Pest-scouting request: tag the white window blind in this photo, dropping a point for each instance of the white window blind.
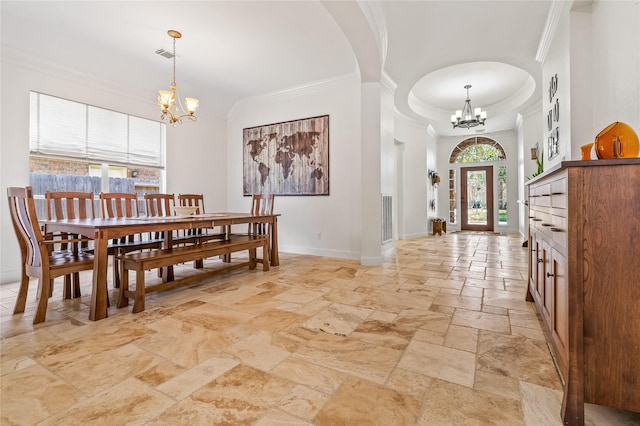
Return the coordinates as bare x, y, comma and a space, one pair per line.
59, 127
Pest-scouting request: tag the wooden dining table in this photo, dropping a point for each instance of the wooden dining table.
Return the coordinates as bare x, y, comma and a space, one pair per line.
102, 231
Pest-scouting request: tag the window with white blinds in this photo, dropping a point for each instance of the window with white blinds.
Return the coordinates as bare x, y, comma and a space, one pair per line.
63, 128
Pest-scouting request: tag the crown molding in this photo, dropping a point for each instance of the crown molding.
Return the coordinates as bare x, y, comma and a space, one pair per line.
556, 10
293, 92
375, 16
388, 82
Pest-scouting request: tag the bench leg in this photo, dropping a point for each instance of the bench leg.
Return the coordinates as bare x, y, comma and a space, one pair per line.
138, 301
252, 258
123, 295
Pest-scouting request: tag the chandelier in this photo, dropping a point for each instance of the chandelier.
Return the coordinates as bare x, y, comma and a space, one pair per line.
169, 100
467, 117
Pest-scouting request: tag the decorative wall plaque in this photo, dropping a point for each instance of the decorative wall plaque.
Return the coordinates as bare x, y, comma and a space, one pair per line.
553, 117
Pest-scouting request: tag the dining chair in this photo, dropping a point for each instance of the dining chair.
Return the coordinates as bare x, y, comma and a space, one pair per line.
124, 205
163, 205
201, 235
71, 205
160, 204
197, 201
40, 259
260, 204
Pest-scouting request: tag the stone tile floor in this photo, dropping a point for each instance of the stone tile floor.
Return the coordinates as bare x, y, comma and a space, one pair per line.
439, 334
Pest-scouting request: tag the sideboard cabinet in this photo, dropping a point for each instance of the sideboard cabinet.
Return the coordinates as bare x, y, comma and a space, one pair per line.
584, 279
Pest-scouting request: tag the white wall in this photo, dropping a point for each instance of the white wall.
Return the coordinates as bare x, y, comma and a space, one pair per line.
529, 133
596, 53
194, 146
616, 64
318, 225
557, 63
413, 195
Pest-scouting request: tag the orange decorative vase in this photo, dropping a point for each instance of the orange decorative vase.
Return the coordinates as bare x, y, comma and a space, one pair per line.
585, 150
617, 140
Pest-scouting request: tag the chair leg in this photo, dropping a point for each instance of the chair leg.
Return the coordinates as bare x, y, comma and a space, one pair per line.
116, 273
22, 293
76, 285
123, 294
43, 290
66, 292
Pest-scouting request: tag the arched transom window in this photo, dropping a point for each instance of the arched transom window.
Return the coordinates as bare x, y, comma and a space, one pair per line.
476, 150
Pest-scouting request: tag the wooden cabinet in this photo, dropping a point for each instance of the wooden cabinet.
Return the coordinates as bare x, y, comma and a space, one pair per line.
584, 279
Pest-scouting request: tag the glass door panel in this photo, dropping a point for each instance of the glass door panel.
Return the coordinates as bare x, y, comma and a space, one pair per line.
476, 198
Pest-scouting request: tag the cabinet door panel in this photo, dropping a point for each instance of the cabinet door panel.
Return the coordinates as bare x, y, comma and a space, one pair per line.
546, 281
560, 322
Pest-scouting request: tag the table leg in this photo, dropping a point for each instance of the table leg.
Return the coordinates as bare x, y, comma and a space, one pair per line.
275, 258
167, 271
99, 293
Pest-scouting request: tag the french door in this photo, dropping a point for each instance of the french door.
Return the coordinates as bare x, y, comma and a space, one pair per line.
476, 198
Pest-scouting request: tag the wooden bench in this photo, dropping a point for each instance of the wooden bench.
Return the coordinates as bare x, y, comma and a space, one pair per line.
144, 261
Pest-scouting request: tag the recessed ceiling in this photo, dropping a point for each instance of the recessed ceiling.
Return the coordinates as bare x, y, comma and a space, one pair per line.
495, 87
231, 50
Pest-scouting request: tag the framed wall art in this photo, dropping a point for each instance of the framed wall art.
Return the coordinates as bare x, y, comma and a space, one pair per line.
289, 158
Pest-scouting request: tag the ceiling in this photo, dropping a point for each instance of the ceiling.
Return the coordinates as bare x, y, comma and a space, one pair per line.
231, 50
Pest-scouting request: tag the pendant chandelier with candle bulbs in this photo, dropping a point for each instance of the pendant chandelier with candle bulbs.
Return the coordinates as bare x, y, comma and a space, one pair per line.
467, 117
169, 100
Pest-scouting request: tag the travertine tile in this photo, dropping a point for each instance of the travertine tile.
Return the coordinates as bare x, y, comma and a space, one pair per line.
182, 385
32, 394
439, 334
463, 338
481, 320
361, 402
323, 379
303, 402
240, 396
452, 404
524, 359
131, 400
258, 351
337, 319
275, 417
350, 355
440, 362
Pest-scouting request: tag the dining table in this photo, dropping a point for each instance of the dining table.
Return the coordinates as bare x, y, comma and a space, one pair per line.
102, 231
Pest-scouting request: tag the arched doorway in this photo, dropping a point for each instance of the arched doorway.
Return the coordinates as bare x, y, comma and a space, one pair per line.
477, 160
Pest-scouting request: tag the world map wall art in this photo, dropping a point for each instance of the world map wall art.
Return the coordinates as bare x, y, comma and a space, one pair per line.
289, 158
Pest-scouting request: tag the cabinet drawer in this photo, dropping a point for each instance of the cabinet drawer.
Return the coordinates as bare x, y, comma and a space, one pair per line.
559, 186
559, 230
540, 218
559, 201
535, 209
542, 189
558, 211
543, 200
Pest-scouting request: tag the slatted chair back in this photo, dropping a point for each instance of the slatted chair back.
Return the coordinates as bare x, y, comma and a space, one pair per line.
70, 205
160, 204
40, 260
118, 204
261, 204
192, 200
124, 205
